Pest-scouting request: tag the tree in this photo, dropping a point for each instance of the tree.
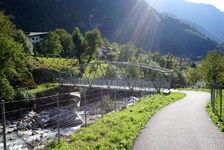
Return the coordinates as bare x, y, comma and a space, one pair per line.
66, 43
193, 75
127, 52
143, 58
23, 39
158, 58
7, 67
139, 52
105, 42
179, 77
111, 56
93, 39
213, 67
169, 61
7, 27
133, 72
14, 72
79, 43
115, 46
52, 44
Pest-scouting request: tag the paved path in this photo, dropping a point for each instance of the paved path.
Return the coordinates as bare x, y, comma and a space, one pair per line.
183, 125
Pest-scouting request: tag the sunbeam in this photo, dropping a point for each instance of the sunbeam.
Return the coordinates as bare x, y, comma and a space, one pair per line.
142, 24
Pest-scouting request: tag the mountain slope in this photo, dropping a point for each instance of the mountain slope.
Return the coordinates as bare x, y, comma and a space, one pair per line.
198, 27
205, 15
118, 21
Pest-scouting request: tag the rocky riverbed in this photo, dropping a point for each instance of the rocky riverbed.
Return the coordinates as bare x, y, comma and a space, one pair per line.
35, 129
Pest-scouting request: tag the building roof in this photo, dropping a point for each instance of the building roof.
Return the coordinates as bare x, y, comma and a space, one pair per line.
36, 33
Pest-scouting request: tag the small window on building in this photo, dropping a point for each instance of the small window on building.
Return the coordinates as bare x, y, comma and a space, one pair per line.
33, 38
36, 39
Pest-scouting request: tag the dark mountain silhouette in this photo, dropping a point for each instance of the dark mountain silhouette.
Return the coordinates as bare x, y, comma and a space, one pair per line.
119, 21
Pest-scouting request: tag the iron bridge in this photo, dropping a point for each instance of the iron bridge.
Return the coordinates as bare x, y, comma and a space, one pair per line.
117, 75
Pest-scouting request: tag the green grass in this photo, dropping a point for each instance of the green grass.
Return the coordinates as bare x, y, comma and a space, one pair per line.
117, 130
42, 88
95, 71
54, 63
47, 69
219, 121
215, 118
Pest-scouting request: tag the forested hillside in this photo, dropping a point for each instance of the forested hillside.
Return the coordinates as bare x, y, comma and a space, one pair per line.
118, 20
20, 70
205, 15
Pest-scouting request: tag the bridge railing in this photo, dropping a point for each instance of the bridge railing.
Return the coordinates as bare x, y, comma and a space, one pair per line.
126, 84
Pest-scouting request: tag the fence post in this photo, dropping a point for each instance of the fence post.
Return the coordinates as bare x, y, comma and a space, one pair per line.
220, 117
213, 98
58, 118
125, 97
115, 98
3, 124
85, 107
101, 100
145, 87
132, 93
211, 89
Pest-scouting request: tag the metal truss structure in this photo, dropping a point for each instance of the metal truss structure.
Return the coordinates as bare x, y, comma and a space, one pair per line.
117, 75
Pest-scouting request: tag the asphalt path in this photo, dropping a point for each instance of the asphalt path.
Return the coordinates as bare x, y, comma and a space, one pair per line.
183, 125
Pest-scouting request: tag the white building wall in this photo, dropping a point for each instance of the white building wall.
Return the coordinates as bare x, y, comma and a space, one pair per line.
34, 39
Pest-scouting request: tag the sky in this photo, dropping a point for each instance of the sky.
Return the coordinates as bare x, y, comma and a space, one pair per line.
217, 3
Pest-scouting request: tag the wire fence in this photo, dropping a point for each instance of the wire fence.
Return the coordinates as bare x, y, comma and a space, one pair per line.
217, 100
30, 124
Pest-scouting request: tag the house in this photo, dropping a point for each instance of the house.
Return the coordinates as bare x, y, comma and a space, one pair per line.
187, 62
36, 37
102, 51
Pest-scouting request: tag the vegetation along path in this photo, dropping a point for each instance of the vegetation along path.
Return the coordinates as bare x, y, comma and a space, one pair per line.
184, 124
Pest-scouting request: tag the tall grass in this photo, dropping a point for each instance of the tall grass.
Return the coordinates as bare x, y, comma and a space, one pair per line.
42, 88
215, 116
117, 130
57, 63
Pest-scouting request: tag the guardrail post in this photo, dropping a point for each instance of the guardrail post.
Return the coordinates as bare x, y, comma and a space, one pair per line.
3, 124
58, 118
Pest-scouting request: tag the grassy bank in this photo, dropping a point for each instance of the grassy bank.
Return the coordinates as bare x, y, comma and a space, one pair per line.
42, 88
46, 70
214, 117
53, 63
117, 130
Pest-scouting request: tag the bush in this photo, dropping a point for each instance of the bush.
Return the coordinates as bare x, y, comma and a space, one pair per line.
106, 105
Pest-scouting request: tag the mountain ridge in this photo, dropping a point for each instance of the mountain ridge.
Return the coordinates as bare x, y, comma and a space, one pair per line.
205, 15
198, 27
119, 21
